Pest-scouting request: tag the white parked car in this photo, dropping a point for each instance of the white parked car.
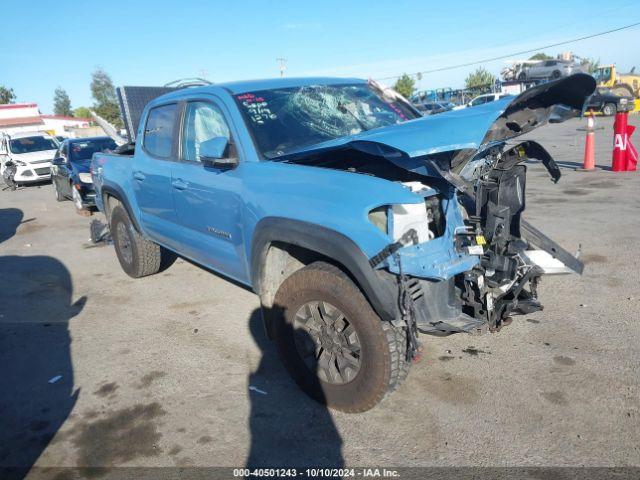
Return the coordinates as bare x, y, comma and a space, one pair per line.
481, 100
32, 152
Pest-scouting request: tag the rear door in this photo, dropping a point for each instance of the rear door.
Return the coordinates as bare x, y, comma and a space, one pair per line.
151, 173
208, 200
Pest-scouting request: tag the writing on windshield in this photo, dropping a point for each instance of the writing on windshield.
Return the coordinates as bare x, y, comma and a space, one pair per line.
284, 120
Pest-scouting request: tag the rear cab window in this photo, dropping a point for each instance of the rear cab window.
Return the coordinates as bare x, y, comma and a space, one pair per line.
159, 130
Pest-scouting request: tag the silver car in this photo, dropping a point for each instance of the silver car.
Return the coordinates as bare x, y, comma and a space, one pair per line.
547, 69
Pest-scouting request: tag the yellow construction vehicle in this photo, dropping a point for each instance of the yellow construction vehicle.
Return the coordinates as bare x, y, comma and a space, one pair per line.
620, 83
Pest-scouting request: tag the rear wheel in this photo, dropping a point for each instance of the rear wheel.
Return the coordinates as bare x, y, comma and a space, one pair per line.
333, 344
556, 74
138, 256
609, 109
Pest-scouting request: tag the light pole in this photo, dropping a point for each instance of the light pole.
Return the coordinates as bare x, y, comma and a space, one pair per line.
283, 65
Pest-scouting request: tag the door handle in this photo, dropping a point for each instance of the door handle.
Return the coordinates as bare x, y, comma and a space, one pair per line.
138, 175
180, 184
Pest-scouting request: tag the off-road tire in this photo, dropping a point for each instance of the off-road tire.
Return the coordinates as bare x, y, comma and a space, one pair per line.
56, 191
145, 256
383, 364
609, 109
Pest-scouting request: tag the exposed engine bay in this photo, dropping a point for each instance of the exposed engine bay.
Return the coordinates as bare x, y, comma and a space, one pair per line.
465, 260
505, 257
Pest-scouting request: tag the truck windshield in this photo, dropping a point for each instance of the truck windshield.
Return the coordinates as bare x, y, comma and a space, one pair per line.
284, 120
31, 144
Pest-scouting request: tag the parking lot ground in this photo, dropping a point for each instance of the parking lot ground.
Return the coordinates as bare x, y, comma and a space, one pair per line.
98, 369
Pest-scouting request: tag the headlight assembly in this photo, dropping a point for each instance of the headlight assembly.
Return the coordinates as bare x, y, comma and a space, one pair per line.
85, 177
396, 220
411, 216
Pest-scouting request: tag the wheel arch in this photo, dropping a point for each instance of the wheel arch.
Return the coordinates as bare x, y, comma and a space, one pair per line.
282, 246
113, 195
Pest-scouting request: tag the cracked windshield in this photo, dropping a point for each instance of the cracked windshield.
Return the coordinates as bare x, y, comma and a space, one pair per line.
287, 119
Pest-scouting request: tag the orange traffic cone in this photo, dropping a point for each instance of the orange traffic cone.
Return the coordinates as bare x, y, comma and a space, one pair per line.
589, 162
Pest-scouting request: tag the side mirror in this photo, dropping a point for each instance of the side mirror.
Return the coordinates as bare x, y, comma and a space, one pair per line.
59, 161
213, 153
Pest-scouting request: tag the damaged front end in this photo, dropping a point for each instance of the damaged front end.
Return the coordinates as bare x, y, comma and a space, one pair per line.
464, 259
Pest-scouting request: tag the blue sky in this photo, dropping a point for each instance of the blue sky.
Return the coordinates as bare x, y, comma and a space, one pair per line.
46, 44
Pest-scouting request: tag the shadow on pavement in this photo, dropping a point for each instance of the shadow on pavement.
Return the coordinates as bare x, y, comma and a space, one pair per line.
288, 429
36, 371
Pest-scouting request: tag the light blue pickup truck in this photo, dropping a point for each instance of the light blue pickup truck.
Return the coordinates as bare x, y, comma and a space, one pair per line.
358, 222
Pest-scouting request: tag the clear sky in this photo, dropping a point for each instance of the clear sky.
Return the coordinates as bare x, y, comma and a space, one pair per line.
44, 44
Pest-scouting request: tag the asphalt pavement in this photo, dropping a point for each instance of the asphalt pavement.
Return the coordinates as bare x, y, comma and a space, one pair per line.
98, 369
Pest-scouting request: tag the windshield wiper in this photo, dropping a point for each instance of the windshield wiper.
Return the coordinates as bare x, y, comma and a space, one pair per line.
342, 108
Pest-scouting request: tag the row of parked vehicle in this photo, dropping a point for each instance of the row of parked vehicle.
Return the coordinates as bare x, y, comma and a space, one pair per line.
29, 157
603, 100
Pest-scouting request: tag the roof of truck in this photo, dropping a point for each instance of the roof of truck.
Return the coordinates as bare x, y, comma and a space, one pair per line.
267, 84
133, 100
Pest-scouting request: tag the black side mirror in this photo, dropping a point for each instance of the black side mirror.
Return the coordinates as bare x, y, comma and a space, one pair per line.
213, 153
223, 163
59, 161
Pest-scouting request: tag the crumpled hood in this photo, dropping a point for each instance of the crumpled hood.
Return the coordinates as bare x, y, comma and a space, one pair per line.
452, 130
469, 129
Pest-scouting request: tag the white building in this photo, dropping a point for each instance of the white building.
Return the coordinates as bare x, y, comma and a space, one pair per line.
23, 117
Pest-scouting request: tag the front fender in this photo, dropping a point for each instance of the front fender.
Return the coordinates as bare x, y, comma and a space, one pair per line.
378, 286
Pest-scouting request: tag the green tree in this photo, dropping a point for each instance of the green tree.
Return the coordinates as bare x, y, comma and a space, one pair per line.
589, 65
6, 95
405, 85
479, 78
82, 112
61, 102
541, 56
104, 95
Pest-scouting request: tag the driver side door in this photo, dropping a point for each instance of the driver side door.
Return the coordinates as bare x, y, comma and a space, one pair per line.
208, 199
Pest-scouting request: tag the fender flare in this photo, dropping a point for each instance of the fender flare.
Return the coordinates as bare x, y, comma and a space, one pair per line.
115, 191
378, 286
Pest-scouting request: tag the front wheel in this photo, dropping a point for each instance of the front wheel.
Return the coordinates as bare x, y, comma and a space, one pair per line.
609, 109
333, 344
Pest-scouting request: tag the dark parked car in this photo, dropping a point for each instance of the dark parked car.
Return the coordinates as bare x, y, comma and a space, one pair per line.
605, 101
70, 171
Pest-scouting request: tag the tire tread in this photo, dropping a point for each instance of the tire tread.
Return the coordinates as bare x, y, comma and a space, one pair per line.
147, 255
392, 339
